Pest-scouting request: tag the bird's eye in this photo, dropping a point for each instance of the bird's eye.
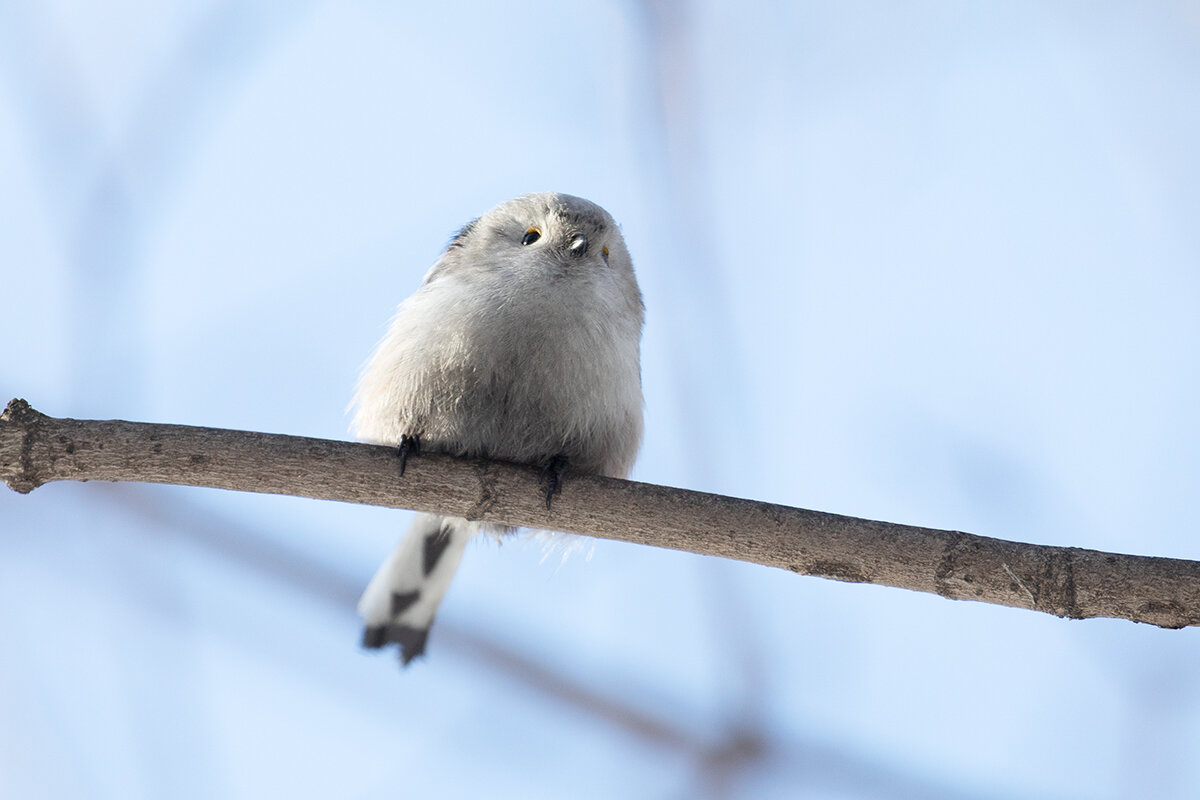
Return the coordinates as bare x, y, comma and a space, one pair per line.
604, 253
531, 236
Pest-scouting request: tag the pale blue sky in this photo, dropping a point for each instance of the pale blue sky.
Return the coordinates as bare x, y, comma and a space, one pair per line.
931, 263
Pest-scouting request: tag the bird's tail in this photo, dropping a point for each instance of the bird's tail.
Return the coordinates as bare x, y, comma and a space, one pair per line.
401, 600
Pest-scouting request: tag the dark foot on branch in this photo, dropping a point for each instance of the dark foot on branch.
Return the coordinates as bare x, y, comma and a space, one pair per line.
552, 475
409, 446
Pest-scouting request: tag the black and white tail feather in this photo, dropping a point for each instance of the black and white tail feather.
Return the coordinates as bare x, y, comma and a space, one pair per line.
521, 344
400, 602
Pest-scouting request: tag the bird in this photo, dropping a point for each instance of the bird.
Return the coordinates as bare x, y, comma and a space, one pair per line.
522, 344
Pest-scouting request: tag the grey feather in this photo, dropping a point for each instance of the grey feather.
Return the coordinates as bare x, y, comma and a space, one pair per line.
522, 344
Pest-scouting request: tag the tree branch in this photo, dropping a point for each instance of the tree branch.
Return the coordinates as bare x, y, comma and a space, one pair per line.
1065, 581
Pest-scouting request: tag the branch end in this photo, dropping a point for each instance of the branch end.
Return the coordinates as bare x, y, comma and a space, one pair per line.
18, 424
19, 412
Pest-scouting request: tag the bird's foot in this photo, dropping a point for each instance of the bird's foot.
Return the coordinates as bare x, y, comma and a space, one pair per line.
409, 446
552, 475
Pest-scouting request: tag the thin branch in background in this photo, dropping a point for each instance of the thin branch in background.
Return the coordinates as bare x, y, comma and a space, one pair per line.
721, 756
235, 544
109, 191
680, 173
699, 316
124, 185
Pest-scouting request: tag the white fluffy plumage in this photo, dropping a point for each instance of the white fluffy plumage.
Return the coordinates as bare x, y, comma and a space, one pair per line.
522, 344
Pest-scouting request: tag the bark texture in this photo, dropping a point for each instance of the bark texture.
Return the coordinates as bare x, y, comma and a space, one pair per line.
1065, 581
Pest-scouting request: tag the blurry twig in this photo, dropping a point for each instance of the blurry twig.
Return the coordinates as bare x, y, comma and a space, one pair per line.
729, 748
236, 543
1065, 581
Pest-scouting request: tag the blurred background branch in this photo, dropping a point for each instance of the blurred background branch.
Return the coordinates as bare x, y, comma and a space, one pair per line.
932, 263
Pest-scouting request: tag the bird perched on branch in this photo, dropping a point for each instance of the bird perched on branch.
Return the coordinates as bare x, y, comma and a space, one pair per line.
522, 344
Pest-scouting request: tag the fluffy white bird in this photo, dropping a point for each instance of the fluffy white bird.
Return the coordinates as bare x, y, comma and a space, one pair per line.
522, 344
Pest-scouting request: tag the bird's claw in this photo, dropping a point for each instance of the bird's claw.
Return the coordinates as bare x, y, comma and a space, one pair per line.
409, 445
552, 475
